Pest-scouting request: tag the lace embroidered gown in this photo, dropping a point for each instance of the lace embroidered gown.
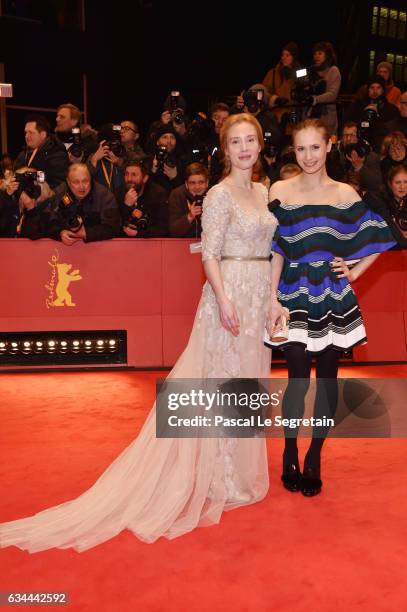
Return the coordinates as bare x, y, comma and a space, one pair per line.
167, 487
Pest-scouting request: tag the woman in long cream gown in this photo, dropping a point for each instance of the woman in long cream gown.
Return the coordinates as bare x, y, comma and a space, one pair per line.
168, 486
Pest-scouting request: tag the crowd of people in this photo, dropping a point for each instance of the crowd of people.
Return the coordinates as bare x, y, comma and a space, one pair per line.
73, 183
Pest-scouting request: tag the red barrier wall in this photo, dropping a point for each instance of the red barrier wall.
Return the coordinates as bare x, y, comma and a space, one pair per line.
151, 288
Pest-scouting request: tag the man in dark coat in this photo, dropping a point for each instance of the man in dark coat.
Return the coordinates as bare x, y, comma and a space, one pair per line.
43, 151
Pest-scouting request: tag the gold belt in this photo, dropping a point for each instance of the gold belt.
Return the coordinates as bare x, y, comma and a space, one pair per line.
238, 258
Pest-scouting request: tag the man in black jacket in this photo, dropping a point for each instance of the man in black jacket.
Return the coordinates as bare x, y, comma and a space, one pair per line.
142, 203
69, 117
83, 209
375, 102
185, 203
43, 151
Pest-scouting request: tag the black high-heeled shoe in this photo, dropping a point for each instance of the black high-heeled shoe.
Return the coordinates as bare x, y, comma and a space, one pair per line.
311, 483
291, 477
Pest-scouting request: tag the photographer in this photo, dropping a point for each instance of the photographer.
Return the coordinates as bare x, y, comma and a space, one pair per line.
219, 112
79, 140
105, 165
391, 203
167, 166
354, 155
280, 80
24, 205
255, 101
82, 209
324, 103
393, 93
394, 152
174, 117
143, 204
271, 159
373, 111
130, 135
185, 203
43, 151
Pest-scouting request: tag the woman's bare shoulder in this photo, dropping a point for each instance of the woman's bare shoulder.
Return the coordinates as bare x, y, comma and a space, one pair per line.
346, 194
277, 189
280, 190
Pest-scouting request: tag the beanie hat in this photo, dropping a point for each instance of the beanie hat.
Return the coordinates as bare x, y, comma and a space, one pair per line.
165, 129
376, 78
386, 65
292, 48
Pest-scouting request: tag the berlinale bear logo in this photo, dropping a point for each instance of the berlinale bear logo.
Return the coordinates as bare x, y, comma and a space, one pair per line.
61, 277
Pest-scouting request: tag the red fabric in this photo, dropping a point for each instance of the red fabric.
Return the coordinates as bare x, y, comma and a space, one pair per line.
343, 550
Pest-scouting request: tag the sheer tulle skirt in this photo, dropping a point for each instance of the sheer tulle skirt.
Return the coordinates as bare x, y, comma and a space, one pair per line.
167, 487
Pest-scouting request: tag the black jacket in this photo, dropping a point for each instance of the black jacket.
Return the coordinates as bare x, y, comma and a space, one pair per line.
32, 223
98, 210
387, 112
382, 203
153, 203
178, 210
51, 158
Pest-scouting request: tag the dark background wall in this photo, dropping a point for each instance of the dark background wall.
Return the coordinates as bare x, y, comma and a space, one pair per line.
134, 53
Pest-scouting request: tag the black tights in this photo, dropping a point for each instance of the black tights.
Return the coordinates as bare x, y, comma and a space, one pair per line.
326, 399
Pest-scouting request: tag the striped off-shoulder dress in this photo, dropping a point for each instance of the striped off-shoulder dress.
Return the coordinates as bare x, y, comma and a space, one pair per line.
324, 312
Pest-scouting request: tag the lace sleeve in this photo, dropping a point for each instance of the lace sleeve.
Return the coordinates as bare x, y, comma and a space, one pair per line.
215, 220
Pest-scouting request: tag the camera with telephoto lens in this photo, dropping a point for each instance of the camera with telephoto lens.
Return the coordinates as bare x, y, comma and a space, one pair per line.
367, 120
114, 143
137, 218
161, 156
69, 214
28, 182
270, 149
253, 99
76, 148
177, 114
362, 148
307, 84
201, 129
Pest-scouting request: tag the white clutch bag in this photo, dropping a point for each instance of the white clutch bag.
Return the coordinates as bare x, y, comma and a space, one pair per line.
280, 333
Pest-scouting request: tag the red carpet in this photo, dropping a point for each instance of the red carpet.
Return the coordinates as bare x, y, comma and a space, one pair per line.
344, 550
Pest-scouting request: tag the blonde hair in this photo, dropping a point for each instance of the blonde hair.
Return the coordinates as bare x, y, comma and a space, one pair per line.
392, 139
223, 137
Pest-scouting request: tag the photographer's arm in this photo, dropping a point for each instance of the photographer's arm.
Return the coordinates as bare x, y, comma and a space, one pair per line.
333, 85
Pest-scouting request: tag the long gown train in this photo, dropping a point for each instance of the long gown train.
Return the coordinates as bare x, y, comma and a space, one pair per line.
167, 487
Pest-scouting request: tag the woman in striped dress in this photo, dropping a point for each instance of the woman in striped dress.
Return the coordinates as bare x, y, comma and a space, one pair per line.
322, 225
